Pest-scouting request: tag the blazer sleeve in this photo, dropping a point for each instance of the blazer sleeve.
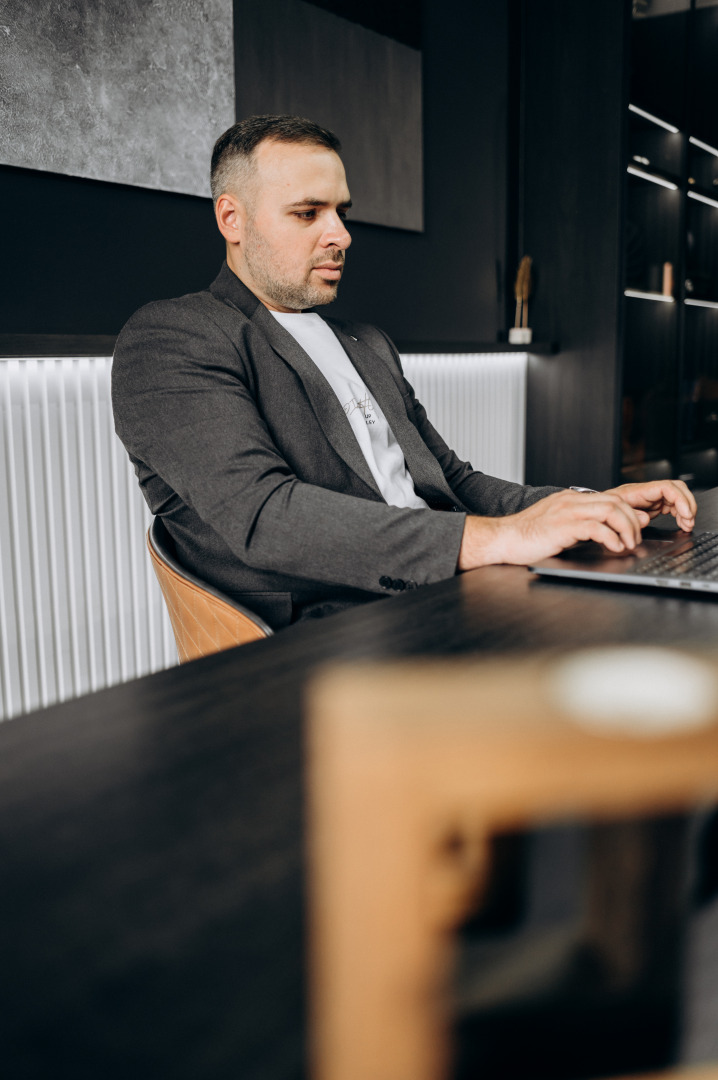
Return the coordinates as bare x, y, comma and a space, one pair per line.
185, 407
481, 494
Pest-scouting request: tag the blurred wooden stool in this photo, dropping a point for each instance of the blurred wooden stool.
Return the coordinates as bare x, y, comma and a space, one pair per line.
413, 767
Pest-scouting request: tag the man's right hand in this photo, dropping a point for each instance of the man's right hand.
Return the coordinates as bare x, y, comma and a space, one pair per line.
549, 526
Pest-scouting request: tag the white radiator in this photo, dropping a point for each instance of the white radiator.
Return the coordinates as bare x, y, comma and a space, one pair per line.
80, 608
477, 403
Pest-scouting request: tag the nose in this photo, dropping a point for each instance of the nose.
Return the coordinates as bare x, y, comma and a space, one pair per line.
336, 234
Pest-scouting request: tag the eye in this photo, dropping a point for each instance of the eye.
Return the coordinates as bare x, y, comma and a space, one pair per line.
306, 215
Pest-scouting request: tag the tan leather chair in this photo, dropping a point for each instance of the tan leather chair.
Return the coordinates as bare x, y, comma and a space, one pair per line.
203, 619
412, 768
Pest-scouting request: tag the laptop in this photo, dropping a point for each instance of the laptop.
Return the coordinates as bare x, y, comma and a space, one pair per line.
670, 560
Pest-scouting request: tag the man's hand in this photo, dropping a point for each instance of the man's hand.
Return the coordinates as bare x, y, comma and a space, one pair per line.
612, 518
661, 497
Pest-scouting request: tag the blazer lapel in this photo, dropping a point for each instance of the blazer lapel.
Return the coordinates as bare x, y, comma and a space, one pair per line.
324, 401
423, 467
228, 287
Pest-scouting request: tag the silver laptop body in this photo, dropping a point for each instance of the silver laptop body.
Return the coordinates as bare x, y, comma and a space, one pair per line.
680, 561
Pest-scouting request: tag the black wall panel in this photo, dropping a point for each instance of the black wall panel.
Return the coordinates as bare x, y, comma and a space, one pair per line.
575, 101
293, 57
448, 283
79, 256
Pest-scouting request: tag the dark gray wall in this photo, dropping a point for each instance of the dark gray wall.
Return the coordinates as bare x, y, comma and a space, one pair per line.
80, 256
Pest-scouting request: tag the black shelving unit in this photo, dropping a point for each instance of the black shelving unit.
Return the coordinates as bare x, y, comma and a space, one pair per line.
670, 371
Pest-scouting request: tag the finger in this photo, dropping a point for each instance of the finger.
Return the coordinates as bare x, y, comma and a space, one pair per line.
605, 535
661, 497
677, 512
689, 497
624, 521
612, 498
679, 501
617, 515
646, 496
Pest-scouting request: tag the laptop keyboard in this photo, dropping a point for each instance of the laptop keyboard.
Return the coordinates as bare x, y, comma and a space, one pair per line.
699, 561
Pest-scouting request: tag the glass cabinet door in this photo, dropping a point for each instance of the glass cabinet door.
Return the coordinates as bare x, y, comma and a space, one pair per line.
670, 363
699, 383
654, 241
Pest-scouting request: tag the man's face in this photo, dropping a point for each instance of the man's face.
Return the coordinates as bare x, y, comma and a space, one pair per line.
292, 236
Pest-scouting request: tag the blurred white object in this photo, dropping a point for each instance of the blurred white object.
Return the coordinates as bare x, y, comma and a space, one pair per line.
636, 691
520, 335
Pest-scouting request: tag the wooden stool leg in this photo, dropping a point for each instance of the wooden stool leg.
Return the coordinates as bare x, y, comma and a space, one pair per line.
381, 957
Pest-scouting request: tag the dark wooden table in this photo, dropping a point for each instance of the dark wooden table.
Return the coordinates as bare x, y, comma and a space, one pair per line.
151, 908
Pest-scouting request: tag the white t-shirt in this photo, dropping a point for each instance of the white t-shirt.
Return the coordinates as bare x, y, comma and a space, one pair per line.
376, 439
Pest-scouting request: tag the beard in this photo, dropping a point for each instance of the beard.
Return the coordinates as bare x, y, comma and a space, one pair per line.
266, 270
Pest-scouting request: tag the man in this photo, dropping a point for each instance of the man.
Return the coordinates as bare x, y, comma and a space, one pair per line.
288, 457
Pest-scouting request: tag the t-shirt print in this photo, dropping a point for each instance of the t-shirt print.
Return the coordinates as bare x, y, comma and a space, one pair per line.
365, 404
370, 427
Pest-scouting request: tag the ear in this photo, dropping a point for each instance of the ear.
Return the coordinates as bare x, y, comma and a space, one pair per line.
231, 217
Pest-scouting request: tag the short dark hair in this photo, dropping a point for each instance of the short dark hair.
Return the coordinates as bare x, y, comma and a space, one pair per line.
235, 147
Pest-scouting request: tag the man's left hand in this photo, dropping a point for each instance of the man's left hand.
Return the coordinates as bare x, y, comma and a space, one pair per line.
660, 497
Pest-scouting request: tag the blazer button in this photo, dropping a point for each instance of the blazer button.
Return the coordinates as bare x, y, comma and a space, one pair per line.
385, 582
399, 584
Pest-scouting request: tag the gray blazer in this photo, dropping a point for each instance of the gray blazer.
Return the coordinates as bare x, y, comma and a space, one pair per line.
242, 447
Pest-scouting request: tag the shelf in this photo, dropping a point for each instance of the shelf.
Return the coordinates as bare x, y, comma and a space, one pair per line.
651, 118
705, 200
535, 348
701, 303
653, 176
639, 294
702, 146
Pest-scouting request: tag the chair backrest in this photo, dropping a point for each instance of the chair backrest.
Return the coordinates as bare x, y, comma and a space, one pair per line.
204, 621
404, 797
